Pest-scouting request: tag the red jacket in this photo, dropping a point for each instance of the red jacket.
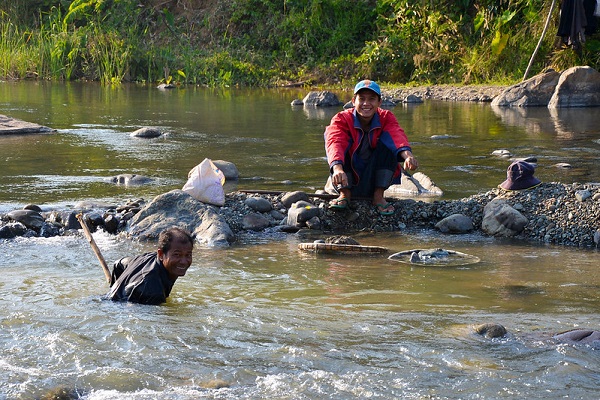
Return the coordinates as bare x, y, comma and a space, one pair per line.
344, 133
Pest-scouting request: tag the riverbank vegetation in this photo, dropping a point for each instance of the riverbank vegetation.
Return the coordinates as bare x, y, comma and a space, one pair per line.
279, 42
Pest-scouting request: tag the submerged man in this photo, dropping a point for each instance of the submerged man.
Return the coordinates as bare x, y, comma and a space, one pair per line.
148, 278
365, 146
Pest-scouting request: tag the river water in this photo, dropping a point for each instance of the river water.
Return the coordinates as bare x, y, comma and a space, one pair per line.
262, 318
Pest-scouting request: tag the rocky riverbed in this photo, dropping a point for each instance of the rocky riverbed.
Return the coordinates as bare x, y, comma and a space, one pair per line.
555, 213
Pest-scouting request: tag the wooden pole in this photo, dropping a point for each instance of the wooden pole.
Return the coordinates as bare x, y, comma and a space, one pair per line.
90, 239
277, 193
540, 41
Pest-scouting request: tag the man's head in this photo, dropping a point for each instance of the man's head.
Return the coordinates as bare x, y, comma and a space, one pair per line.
366, 99
175, 247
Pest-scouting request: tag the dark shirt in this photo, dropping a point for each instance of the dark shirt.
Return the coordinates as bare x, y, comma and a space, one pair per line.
141, 279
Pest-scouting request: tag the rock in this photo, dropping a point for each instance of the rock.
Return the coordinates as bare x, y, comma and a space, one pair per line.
293, 197
297, 102
6, 232
301, 212
413, 99
385, 102
10, 125
276, 215
146, 133
31, 219
255, 222
427, 186
33, 207
502, 153
500, 219
177, 208
228, 169
49, 230
111, 224
163, 86
563, 165
533, 92
93, 220
455, 223
440, 137
214, 231
70, 221
582, 195
130, 179
584, 336
416, 184
321, 99
314, 223
531, 160
577, 87
490, 330
259, 204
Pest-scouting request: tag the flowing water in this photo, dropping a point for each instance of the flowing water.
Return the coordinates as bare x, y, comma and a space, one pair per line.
261, 318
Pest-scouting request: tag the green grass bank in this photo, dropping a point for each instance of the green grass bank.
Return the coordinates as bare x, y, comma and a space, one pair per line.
283, 42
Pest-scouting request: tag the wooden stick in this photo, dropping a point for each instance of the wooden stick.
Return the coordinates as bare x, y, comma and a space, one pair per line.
539, 41
324, 196
276, 193
90, 239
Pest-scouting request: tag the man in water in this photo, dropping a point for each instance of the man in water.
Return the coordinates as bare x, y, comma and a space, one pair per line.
148, 278
365, 146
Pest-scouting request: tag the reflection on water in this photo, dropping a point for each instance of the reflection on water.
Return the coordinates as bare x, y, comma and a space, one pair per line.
265, 318
275, 145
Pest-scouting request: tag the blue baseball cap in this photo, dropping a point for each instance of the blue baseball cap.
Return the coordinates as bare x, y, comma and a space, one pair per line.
368, 84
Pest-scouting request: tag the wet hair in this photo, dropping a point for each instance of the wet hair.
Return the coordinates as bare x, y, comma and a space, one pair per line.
167, 237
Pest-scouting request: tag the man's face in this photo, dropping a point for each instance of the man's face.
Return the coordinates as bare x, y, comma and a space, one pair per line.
178, 259
366, 102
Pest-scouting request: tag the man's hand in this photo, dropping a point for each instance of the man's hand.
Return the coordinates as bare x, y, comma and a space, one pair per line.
410, 162
339, 177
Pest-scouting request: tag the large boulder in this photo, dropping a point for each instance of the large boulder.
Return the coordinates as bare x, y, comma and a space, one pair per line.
177, 208
577, 87
500, 219
321, 99
534, 92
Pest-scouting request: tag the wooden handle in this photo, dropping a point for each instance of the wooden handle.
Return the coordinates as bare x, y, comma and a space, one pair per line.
90, 239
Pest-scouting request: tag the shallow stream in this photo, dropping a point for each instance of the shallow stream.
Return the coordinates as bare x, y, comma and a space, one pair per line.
262, 318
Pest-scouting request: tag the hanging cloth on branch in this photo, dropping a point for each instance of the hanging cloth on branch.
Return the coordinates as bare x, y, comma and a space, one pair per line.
571, 27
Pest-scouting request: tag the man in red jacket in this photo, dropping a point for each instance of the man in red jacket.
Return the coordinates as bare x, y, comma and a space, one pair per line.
365, 147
